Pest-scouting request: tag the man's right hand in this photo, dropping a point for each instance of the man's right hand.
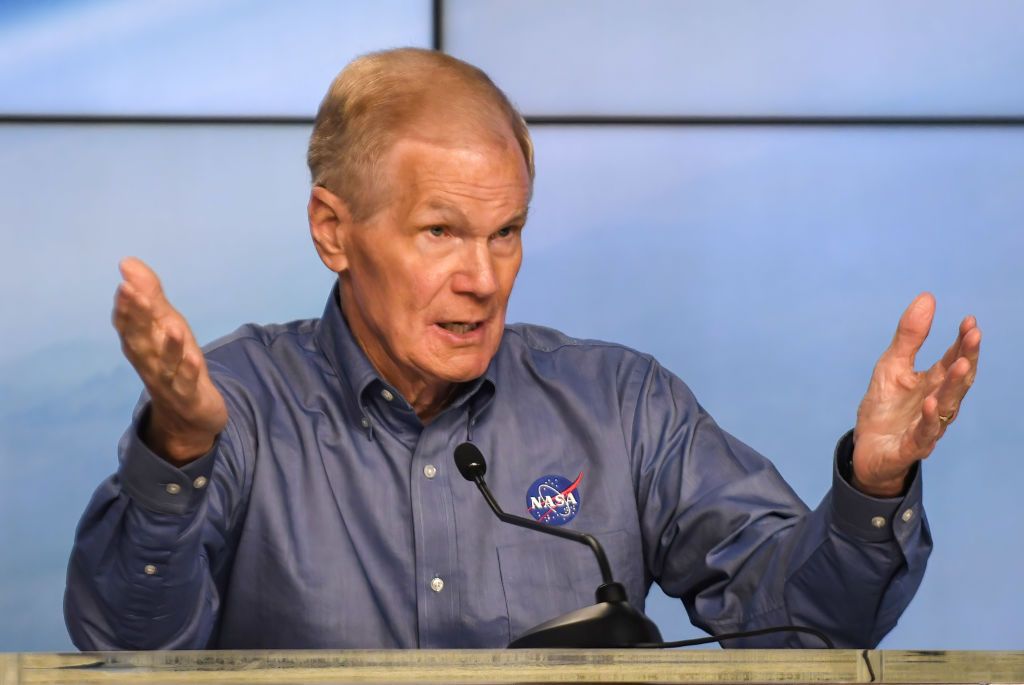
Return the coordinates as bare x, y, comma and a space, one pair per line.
187, 412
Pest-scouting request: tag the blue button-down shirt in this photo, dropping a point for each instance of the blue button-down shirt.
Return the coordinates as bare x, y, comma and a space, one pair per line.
327, 515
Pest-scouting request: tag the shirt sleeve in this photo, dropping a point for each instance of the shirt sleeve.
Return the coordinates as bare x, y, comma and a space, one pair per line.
727, 535
153, 548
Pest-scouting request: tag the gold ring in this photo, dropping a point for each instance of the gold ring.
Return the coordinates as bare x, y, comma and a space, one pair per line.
944, 420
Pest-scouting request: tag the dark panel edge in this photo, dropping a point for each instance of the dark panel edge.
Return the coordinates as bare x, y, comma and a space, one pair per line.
437, 19
776, 120
544, 120
117, 119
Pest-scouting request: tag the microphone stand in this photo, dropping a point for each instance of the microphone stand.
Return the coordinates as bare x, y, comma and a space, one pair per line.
611, 622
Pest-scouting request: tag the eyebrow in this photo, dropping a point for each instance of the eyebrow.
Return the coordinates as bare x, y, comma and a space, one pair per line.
519, 217
446, 209
452, 212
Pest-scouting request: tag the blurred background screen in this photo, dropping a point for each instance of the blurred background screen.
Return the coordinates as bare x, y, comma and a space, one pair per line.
769, 186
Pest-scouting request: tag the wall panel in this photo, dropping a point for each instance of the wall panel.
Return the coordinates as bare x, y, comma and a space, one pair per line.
747, 58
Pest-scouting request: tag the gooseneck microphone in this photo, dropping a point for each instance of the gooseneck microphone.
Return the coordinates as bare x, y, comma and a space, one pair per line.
612, 622
472, 466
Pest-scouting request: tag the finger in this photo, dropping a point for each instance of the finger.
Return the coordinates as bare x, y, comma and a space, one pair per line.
173, 351
954, 352
146, 283
951, 393
188, 372
137, 272
132, 316
971, 346
913, 328
927, 430
130, 304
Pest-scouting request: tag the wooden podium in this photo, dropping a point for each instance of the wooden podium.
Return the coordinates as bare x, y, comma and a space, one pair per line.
516, 666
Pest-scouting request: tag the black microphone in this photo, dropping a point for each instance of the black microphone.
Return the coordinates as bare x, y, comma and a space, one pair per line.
612, 622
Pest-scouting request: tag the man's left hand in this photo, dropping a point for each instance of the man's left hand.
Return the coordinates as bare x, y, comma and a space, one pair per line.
905, 412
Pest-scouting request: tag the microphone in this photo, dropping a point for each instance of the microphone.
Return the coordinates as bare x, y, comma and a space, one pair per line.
611, 622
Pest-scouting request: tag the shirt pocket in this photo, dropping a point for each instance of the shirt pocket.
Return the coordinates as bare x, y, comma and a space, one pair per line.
546, 577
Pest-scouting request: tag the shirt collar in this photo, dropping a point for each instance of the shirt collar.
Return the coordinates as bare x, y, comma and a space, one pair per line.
341, 349
350, 363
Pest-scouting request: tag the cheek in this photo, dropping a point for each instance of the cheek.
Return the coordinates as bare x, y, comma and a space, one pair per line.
400, 288
412, 308
510, 269
423, 298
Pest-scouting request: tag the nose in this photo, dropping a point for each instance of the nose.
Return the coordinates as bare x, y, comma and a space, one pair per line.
476, 275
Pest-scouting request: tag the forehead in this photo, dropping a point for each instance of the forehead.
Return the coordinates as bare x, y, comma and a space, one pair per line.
436, 172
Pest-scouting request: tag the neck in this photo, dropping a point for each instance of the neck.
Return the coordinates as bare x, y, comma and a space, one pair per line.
429, 403
428, 399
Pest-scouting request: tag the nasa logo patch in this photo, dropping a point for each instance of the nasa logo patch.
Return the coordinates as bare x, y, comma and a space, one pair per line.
554, 499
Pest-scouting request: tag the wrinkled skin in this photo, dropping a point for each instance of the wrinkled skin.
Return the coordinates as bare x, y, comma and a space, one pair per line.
905, 412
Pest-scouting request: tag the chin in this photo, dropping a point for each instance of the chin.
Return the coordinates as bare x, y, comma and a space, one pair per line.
463, 370
465, 375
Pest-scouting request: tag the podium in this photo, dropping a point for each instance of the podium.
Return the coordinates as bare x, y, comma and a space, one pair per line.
424, 667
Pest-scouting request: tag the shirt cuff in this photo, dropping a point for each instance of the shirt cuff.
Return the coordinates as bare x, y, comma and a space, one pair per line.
155, 483
874, 519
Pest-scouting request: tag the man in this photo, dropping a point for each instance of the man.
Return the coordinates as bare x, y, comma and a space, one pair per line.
294, 488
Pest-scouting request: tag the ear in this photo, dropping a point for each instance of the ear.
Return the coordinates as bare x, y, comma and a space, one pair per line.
329, 224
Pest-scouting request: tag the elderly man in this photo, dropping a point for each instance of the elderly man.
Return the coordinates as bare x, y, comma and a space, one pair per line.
294, 487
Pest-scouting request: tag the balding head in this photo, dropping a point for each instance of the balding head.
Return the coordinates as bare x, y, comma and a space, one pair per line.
383, 96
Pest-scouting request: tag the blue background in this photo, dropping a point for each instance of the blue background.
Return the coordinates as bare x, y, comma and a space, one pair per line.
766, 265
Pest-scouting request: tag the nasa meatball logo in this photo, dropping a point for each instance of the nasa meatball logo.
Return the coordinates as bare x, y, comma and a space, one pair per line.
554, 499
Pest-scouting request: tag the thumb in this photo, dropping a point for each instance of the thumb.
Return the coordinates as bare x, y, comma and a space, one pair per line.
913, 328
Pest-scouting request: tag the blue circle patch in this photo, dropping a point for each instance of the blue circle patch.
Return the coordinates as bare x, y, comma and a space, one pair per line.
554, 499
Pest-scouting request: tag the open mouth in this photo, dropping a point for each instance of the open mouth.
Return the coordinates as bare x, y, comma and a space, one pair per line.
460, 327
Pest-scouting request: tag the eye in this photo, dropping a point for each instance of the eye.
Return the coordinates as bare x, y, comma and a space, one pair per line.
505, 232
436, 231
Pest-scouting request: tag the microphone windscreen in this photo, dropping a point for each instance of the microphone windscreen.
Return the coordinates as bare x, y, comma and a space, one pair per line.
470, 461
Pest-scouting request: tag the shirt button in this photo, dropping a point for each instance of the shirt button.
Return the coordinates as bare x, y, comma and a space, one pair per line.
907, 515
199, 483
429, 470
173, 488
878, 521
149, 569
436, 584
386, 394
364, 422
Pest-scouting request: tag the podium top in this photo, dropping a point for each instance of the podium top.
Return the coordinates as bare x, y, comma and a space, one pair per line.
516, 666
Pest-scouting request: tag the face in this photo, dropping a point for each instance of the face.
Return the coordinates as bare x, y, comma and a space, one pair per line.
426, 280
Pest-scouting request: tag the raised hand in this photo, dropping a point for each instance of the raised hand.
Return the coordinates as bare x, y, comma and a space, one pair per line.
905, 412
187, 411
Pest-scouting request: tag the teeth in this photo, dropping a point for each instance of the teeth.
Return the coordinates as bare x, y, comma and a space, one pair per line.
456, 327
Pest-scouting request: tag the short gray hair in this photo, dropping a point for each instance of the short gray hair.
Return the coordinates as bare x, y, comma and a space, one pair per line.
375, 97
